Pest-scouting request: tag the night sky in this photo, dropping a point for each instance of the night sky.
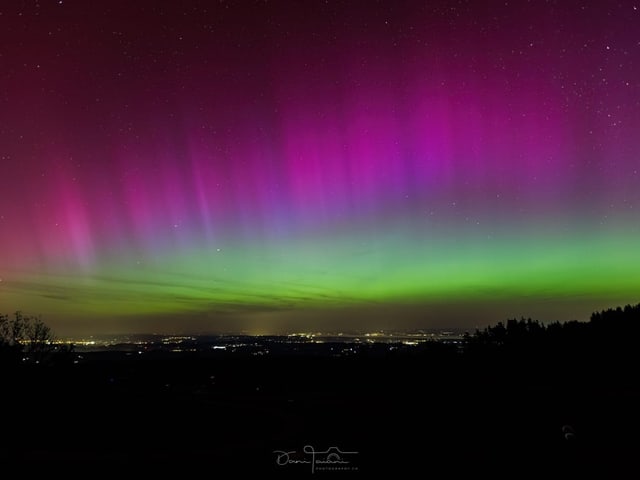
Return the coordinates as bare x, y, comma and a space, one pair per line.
293, 165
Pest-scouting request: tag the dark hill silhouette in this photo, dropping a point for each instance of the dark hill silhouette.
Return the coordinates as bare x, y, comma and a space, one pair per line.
520, 395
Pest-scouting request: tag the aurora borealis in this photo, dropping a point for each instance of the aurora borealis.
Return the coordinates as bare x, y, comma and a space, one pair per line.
280, 166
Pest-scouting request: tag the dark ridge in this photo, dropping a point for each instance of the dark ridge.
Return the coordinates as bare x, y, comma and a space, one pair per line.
515, 396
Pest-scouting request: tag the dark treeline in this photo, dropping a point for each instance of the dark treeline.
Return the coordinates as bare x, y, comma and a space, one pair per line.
609, 335
607, 322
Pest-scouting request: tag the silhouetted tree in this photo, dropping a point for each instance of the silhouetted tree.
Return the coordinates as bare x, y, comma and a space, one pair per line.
39, 339
24, 337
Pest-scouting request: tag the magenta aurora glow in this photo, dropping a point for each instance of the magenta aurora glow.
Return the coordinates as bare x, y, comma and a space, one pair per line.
268, 167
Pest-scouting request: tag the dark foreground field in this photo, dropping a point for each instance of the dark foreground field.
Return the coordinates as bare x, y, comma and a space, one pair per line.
427, 411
